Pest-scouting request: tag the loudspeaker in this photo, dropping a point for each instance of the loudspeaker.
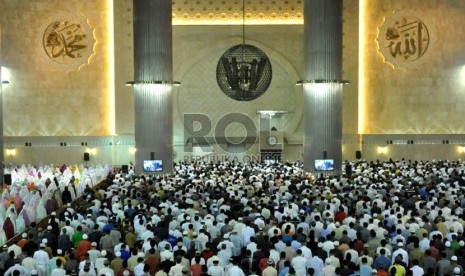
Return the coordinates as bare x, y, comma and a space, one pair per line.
152, 155
125, 169
358, 154
325, 155
86, 156
7, 179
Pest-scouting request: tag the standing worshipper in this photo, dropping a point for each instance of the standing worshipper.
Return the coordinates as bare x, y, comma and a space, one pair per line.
106, 270
235, 269
247, 232
416, 270
66, 196
153, 260
16, 270
83, 247
64, 242
270, 270
299, 263
106, 242
42, 258
23, 240
29, 264
117, 263
78, 236
52, 240
72, 264
9, 228
58, 271
93, 252
215, 270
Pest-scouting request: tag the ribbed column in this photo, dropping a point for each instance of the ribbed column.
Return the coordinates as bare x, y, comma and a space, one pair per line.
2, 139
323, 77
153, 75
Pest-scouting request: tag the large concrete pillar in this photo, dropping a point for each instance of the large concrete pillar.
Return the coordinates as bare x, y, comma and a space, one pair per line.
2, 139
323, 82
153, 81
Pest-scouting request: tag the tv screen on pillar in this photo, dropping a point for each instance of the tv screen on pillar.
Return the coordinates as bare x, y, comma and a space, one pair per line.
153, 165
323, 165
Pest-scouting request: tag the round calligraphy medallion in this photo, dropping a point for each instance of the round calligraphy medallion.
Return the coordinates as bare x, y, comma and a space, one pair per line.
403, 39
68, 40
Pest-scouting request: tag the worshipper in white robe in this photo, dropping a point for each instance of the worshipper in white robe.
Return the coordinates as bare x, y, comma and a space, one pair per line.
11, 212
41, 213
20, 225
16, 267
30, 264
3, 238
80, 187
42, 258
32, 206
2, 220
2, 212
52, 187
25, 195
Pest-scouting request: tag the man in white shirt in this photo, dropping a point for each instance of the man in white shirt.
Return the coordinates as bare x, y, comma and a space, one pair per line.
58, 271
203, 239
14, 247
328, 269
400, 251
166, 254
147, 234
416, 269
299, 263
176, 269
30, 264
216, 269
41, 258
94, 254
317, 264
139, 268
247, 232
306, 252
302, 224
16, 267
224, 255
234, 270
424, 243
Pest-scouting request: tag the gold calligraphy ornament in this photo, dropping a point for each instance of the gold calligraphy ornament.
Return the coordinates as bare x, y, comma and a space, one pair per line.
68, 40
403, 39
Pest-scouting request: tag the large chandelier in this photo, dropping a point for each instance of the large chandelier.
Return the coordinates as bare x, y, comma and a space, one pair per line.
244, 71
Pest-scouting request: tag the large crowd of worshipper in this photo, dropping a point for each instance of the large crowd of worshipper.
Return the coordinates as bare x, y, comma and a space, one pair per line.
376, 218
36, 192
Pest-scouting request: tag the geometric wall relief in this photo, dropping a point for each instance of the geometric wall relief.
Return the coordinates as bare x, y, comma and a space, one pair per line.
403, 39
231, 12
200, 93
67, 41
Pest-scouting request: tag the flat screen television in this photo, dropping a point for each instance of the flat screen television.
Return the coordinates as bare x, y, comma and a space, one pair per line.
324, 165
153, 165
